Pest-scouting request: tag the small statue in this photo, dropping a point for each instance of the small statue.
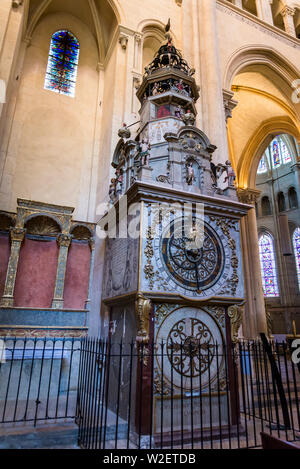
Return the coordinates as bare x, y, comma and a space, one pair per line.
145, 152
189, 118
112, 190
119, 181
156, 89
124, 132
178, 112
231, 177
190, 178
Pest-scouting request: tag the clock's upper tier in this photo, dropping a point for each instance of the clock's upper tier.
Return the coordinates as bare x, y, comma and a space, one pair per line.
168, 70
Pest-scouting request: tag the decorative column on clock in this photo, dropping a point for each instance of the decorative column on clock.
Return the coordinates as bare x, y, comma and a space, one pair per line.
64, 241
17, 236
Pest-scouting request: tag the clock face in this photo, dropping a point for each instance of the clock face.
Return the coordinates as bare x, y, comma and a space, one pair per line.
194, 268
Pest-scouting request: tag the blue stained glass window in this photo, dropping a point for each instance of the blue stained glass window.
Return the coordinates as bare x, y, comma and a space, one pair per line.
62, 65
268, 265
262, 167
276, 154
286, 157
296, 243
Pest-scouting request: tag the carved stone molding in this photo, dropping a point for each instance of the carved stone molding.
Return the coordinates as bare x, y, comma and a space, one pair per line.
235, 314
123, 40
229, 103
248, 196
17, 3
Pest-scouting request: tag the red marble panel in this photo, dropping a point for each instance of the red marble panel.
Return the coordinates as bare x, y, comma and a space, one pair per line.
35, 282
77, 276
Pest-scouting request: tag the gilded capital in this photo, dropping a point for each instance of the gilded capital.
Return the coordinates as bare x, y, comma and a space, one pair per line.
235, 314
143, 311
64, 240
17, 234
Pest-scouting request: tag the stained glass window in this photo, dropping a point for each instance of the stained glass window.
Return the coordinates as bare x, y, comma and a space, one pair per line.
286, 157
262, 167
296, 242
62, 65
276, 154
268, 265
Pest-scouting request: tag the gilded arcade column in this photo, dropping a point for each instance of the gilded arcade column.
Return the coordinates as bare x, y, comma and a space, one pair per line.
17, 236
255, 317
64, 241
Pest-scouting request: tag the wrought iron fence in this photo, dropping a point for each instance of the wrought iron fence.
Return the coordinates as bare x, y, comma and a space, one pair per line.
185, 396
38, 379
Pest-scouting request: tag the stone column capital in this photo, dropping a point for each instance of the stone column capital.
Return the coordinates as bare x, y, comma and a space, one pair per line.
138, 37
288, 11
248, 196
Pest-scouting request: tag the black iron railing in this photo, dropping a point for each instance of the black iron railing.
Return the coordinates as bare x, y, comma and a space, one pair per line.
170, 395
38, 379
185, 396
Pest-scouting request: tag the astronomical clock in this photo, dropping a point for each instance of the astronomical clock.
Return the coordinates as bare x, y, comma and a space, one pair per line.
179, 282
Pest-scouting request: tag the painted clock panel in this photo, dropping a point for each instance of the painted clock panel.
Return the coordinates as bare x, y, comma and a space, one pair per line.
194, 268
170, 265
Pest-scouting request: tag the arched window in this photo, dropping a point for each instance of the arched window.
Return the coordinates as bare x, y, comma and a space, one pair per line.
281, 202
262, 167
296, 243
293, 200
268, 265
266, 208
276, 154
286, 156
62, 65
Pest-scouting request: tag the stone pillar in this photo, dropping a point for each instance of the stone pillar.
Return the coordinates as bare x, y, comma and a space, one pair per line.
253, 281
64, 241
17, 236
264, 10
92, 263
287, 14
213, 113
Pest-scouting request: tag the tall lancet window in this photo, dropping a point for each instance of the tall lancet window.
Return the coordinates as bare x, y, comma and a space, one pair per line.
296, 243
62, 65
268, 265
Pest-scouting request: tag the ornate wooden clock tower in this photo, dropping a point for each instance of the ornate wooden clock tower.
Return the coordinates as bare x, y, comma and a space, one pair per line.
179, 281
